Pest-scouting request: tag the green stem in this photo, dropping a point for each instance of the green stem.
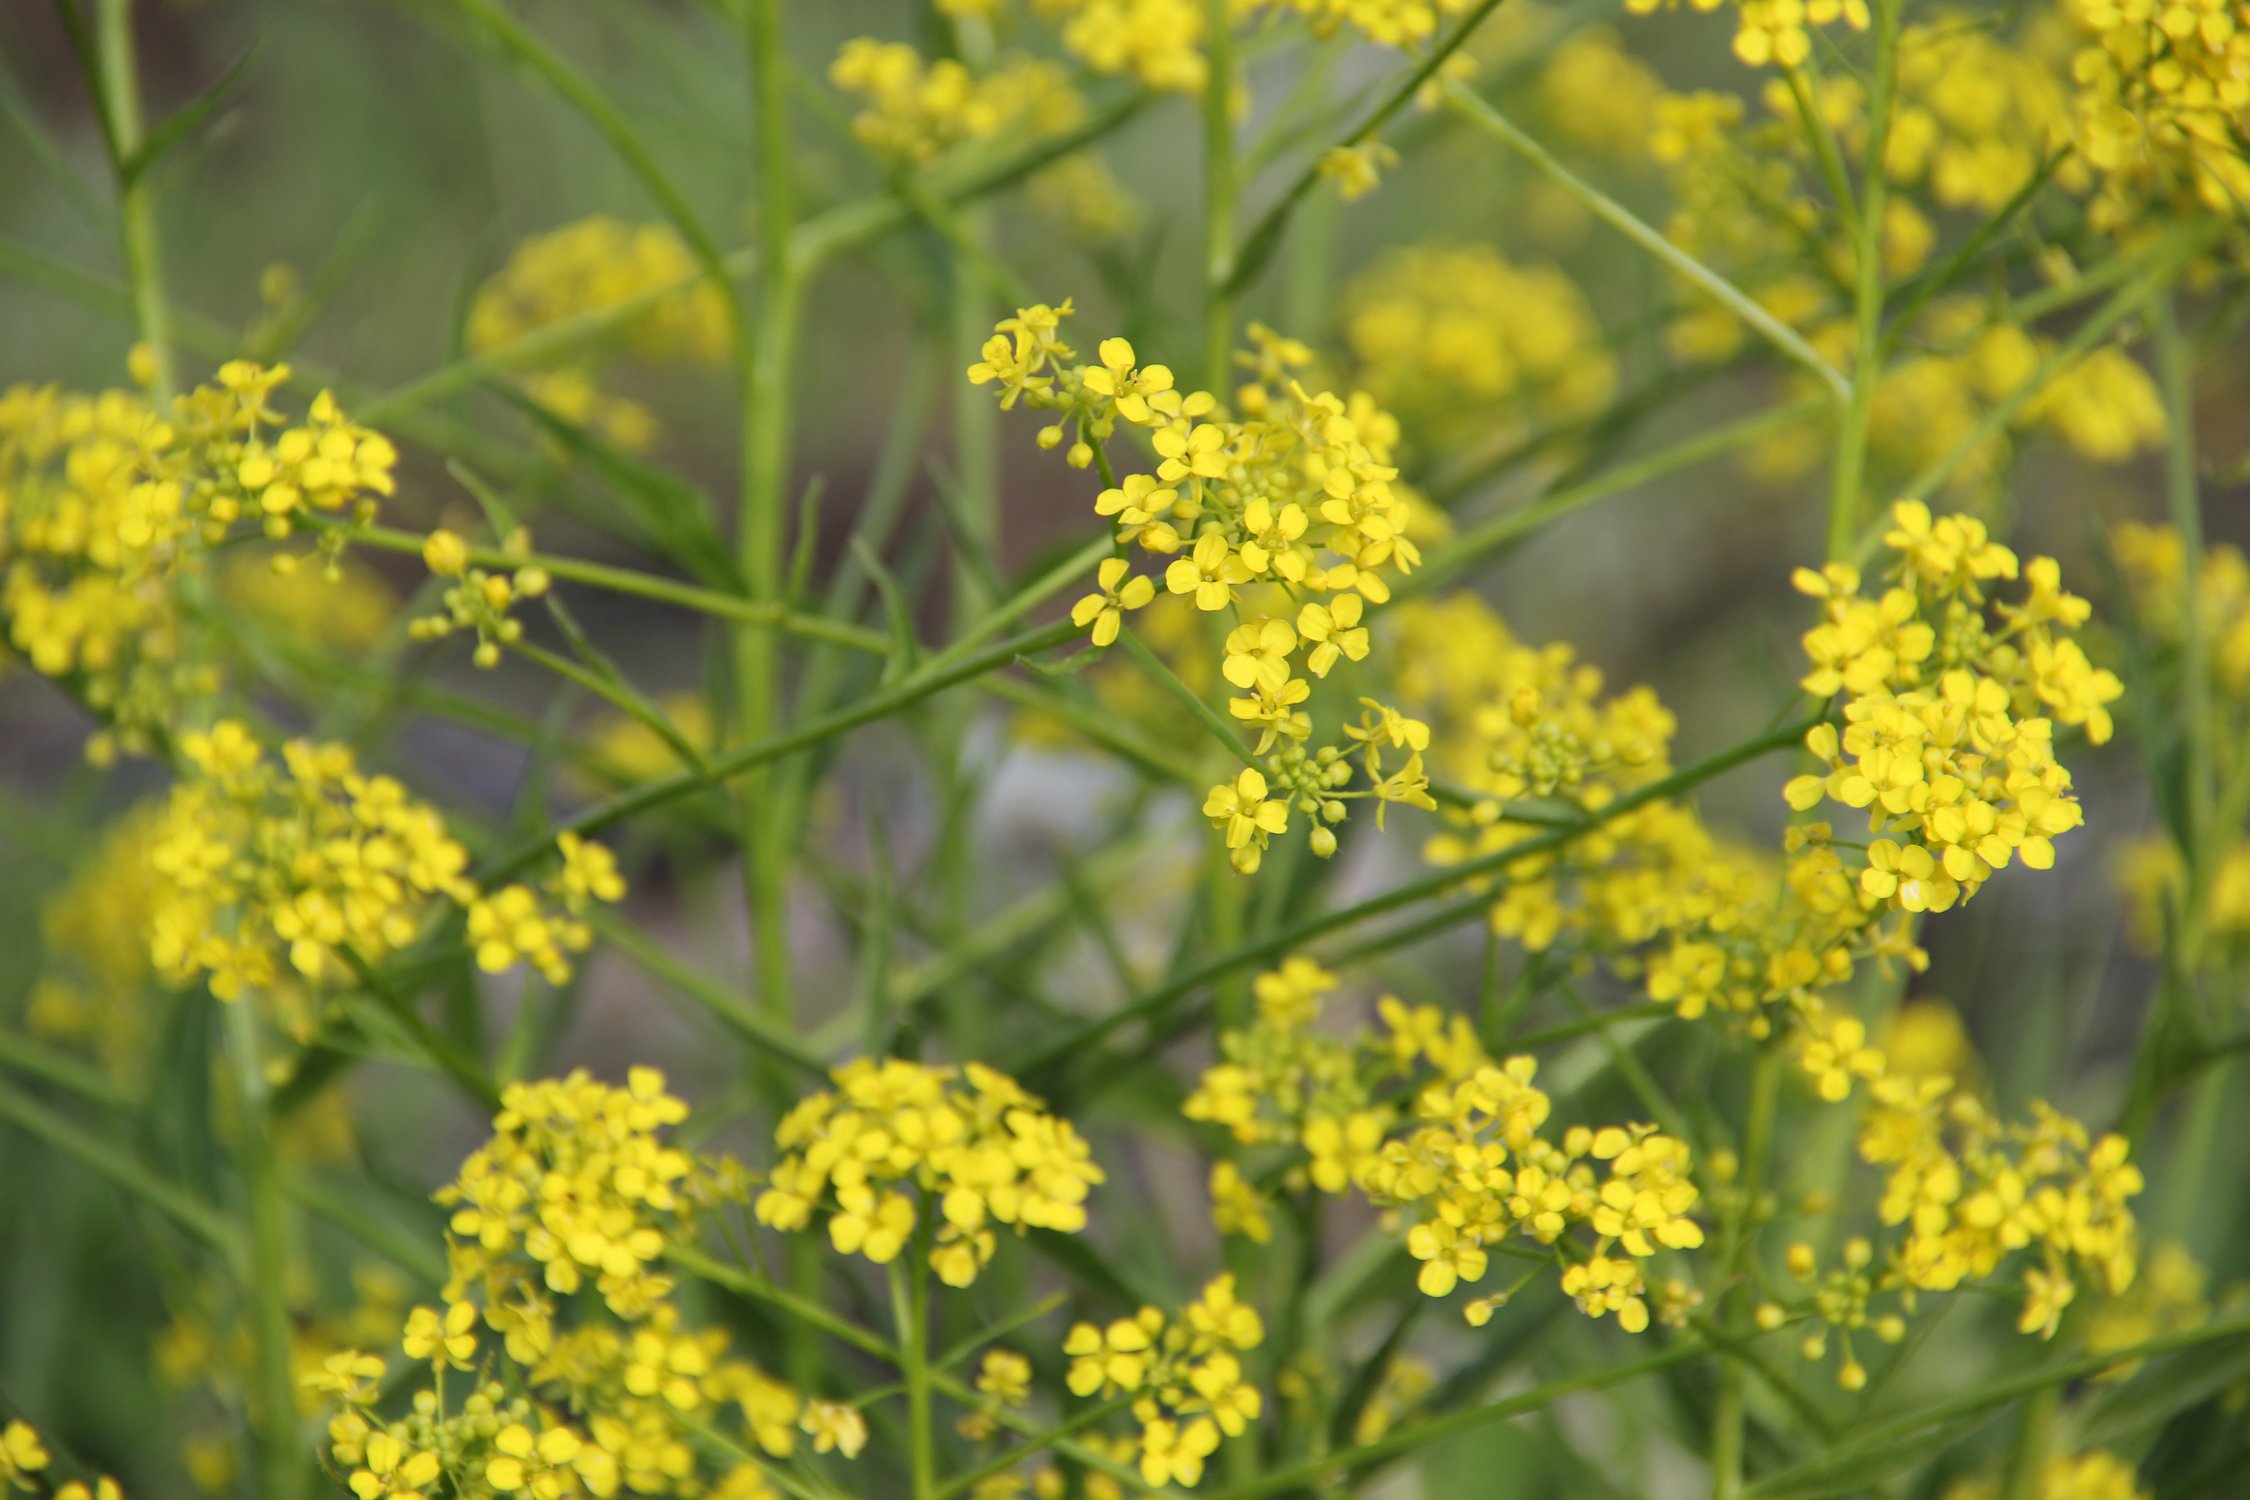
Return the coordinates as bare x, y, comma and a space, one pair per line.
766, 399
1730, 1412
2184, 501
1844, 501
1219, 190
1421, 1434
1076, 1044
121, 84
266, 1226
910, 1306
1169, 680
1472, 107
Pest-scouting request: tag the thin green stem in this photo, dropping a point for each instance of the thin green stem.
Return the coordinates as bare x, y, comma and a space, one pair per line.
121, 105
935, 677
2159, 267
1421, 1434
2184, 502
1473, 107
1077, 1044
281, 1462
1511, 526
769, 614
1169, 680
1850, 477
1730, 1412
910, 1307
767, 401
1219, 190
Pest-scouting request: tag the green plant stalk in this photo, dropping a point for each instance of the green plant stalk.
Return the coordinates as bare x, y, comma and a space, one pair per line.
1219, 189
1164, 677
2158, 267
2184, 504
935, 677
1257, 247
1436, 883
1518, 522
1474, 108
266, 1230
2027, 1458
769, 614
1729, 1415
1421, 1434
910, 1306
1850, 478
121, 84
765, 467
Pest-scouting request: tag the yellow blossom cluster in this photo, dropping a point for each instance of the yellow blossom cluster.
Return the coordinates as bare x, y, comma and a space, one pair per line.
1949, 713
914, 109
107, 503
560, 1218
1391, 23
1183, 1373
91, 987
896, 1138
1975, 118
480, 599
598, 266
1773, 31
1455, 336
24, 1460
1158, 42
1419, 1119
1286, 519
2163, 102
1963, 1191
303, 866
2094, 1475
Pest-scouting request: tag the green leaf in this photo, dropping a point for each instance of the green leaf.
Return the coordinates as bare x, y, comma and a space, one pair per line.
2165, 1389
1856, 1468
181, 124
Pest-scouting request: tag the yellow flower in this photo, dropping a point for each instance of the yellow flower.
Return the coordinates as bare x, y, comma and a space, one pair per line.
1243, 812
1105, 611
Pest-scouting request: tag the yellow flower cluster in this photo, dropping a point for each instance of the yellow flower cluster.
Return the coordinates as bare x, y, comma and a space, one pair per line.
1773, 31
577, 1192
1419, 1119
2164, 99
2095, 1475
914, 109
1965, 1191
1158, 42
1452, 336
1184, 1374
90, 987
481, 599
968, 1142
1948, 739
303, 866
1286, 517
105, 503
24, 1457
1975, 117
599, 265
1391, 23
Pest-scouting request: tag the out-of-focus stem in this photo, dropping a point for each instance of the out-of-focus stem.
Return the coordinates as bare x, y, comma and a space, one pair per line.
1846, 492
121, 88
1218, 193
765, 468
1729, 1414
281, 1464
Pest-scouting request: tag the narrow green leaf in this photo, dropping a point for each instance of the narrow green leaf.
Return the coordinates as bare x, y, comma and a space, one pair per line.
175, 129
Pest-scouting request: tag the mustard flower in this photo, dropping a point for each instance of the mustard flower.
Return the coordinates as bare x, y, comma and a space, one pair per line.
1105, 612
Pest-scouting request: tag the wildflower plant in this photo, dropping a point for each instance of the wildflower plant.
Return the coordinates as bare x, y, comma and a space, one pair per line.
1019, 887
